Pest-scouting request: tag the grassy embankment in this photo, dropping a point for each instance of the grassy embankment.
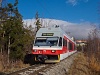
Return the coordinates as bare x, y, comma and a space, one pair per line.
85, 65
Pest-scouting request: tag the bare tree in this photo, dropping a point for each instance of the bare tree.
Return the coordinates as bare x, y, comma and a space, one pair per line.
93, 44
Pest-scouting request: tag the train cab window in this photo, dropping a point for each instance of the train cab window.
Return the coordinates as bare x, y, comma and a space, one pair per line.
60, 41
53, 41
46, 41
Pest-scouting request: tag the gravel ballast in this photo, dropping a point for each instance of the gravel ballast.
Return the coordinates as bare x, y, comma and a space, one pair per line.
60, 68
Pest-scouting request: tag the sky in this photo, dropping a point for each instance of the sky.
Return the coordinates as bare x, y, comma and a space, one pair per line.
75, 11
75, 16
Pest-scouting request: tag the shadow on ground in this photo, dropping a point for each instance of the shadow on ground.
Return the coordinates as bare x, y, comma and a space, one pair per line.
1, 73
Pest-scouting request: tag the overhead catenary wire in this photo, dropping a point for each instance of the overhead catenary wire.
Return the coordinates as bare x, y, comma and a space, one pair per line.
47, 11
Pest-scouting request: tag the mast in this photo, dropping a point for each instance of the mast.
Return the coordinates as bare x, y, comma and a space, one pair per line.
3, 3
0, 3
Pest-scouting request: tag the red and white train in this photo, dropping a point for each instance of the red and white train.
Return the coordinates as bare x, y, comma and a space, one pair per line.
51, 45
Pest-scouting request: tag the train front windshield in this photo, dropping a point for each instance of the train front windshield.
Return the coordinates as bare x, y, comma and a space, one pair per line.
46, 41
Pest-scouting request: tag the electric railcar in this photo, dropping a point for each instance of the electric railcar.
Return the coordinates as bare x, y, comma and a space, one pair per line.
51, 45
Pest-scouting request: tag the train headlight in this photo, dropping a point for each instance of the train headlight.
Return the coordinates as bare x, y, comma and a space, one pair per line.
53, 51
34, 50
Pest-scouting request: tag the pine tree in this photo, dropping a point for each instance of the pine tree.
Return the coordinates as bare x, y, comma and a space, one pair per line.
38, 24
3, 18
14, 32
15, 37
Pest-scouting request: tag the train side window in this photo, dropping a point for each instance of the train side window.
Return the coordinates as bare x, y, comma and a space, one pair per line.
60, 41
74, 47
70, 46
64, 42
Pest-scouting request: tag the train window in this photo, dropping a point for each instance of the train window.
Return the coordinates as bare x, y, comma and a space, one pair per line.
60, 41
64, 42
74, 46
53, 41
70, 46
46, 41
40, 41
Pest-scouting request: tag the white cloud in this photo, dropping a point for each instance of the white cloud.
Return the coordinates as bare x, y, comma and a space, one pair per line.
86, 0
75, 2
78, 30
72, 2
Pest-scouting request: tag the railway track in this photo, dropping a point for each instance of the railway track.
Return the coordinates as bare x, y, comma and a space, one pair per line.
41, 69
32, 70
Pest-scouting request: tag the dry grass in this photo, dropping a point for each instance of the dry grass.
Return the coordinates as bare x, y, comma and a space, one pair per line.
94, 65
82, 66
12, 66
15, 66
3, 62
1, 67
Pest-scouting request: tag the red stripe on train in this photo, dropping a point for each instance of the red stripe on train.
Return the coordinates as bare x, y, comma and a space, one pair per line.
50, 52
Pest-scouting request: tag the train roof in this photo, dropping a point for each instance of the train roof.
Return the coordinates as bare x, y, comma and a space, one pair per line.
52, 31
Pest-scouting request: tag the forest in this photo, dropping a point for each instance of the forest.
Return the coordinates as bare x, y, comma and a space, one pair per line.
16, 39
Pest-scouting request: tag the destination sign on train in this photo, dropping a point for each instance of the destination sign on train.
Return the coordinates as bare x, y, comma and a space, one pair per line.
47, 34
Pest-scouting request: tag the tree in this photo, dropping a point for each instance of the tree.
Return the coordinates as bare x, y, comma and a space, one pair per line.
15, 36
38, 24
3, 18
13, 30
93, 44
